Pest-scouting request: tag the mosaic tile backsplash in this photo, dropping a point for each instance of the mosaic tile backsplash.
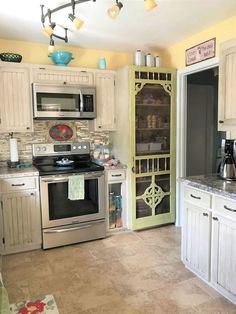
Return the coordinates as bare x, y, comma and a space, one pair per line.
41, 135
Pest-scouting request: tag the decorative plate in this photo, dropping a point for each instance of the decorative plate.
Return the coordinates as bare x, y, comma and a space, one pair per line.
61, 132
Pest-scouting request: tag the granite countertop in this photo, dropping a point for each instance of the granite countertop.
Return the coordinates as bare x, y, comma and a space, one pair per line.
6, 172
212, 183
118, 167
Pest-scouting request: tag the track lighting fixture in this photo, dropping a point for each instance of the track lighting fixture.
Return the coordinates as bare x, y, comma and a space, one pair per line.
48, 28
149, 5
114, 10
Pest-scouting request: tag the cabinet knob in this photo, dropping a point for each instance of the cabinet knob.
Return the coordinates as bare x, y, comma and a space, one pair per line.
221, 121
99, 127
133, 170
31, 193
28, 128
215, 218
205, 214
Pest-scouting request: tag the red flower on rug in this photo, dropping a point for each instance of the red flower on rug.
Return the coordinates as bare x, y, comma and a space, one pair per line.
32, 308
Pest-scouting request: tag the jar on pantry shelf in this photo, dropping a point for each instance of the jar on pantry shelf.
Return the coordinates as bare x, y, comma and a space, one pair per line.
149, 60
139, 58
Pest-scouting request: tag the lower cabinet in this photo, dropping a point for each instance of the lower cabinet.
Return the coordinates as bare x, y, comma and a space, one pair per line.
197, 229
208, 239
20, 216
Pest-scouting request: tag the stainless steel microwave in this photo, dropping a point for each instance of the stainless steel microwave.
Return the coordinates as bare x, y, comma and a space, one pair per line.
59, 101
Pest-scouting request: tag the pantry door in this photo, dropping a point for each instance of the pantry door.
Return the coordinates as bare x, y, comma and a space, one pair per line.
153, 171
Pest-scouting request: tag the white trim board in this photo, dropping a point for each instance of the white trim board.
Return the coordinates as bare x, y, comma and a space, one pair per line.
181, 123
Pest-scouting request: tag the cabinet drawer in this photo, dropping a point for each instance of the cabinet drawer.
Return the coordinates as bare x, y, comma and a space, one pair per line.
225, 207
115, 175
16, 184
197, 197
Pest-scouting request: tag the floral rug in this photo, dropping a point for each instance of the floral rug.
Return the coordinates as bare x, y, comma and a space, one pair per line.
39, 305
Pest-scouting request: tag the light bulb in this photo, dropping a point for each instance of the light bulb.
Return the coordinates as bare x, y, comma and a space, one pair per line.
78, 23
48, 31
114, 10
51, 48
149, 5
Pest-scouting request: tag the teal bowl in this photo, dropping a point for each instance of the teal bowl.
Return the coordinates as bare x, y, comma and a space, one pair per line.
61, 58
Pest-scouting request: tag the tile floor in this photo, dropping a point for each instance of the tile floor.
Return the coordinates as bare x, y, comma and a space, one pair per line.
126, 273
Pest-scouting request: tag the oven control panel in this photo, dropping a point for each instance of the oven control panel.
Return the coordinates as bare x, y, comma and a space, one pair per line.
50, 149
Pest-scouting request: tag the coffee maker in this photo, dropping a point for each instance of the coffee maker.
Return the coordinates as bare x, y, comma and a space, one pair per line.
228, 166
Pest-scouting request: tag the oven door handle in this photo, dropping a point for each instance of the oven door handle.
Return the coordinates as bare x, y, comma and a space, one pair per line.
65, 179
66, 229
55, 180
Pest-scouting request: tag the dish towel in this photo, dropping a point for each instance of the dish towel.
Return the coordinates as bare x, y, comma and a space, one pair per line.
76, 187
4, 302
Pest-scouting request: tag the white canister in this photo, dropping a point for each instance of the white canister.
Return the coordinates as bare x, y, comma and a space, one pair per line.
157, 61
149, 60
139, 58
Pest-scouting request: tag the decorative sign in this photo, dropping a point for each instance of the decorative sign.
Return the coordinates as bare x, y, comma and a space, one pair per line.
200, 52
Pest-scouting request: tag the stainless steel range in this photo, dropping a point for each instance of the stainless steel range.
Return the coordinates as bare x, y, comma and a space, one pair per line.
66, 221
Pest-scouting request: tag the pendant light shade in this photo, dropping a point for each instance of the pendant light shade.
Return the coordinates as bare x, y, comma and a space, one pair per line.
78, 23
48, 30
114, 10
149, 5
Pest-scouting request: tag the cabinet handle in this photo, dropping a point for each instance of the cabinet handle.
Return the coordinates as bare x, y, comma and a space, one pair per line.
230, 209
31, 193
215, 218
221, 121
197, 197
205, 214
20, 184
116, 175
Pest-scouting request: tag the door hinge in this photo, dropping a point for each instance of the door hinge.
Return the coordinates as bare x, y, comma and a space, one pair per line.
3, 240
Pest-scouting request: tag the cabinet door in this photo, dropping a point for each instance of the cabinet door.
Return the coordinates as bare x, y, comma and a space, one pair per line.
105, 100
21, 221
227, 90
15, 100
44, 75
152, 137
224, 256
196, 239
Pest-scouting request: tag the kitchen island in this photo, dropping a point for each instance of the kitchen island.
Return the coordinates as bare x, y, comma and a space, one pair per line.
209, 231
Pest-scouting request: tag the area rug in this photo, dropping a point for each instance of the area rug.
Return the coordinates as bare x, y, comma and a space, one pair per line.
39, 305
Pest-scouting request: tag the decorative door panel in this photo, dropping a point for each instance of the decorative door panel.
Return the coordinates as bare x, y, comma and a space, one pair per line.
153, 138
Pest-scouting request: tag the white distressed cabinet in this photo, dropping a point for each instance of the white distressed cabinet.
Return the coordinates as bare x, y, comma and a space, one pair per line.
105, 101
55, 75
20, 214
197, 232
223, 272
227, 90
208, 239
15, 99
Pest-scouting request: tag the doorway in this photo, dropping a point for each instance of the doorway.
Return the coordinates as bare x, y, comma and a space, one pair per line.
181, 130
203, 141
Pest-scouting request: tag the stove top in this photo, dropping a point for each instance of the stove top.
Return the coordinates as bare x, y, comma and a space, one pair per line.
53, 159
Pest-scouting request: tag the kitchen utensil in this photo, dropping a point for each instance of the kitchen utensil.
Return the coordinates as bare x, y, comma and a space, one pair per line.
10, 57
61, 58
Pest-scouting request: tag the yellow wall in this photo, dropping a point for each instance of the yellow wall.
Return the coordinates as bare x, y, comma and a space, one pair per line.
38, 54
175, 55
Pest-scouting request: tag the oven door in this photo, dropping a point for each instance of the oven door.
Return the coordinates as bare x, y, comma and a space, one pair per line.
58, 210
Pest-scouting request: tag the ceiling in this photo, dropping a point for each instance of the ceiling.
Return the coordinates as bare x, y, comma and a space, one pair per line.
170, 22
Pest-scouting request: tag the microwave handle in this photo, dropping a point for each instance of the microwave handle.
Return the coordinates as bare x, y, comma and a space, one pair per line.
81, 101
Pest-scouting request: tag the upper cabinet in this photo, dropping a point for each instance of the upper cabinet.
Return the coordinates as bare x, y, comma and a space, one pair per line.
15, 99
60, 76
227, 90
105, 101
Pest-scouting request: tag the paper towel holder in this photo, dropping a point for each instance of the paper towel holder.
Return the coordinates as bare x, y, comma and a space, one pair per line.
12, 164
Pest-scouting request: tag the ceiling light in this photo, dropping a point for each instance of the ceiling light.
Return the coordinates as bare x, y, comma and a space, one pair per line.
51, 46
114, 10
78, 23
149, 5
49, 28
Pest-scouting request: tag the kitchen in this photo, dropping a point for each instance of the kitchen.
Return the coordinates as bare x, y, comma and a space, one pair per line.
172, 57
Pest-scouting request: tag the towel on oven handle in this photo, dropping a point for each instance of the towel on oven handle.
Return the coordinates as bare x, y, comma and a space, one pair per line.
76, 187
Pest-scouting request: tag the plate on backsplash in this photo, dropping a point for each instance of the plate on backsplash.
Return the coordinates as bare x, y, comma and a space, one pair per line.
61, 132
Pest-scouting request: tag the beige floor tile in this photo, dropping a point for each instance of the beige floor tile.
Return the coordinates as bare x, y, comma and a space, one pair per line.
217, 306
129, 272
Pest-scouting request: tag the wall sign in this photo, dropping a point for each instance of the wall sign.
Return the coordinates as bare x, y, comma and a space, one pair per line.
200, 52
